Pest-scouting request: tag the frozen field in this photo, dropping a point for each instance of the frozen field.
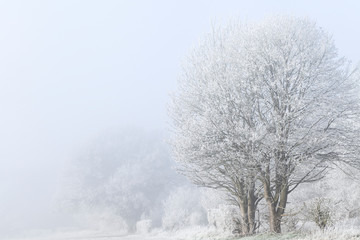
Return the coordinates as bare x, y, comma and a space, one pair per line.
198, 234
82, 236
190, 233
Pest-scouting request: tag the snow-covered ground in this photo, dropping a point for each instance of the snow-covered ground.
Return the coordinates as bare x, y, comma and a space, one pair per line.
156, 234
195, 233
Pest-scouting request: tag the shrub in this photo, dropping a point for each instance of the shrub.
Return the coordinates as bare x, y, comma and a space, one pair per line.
182, 208
320, 211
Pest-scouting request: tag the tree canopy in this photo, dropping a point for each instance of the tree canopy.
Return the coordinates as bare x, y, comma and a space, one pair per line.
262, 108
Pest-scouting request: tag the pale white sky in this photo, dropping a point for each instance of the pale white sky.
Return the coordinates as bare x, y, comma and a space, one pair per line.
70, 69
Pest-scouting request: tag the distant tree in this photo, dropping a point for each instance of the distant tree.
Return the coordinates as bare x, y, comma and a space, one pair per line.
268, 103
128, 173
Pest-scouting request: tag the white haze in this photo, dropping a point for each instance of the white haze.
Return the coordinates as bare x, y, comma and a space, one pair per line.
70, 70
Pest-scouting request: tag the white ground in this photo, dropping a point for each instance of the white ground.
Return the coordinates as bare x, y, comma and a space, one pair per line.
197, 234
187, 234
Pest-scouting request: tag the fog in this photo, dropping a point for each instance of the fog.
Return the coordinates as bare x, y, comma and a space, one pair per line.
71, 71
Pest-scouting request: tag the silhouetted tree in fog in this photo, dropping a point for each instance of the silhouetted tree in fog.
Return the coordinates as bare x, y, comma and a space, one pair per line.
127, 173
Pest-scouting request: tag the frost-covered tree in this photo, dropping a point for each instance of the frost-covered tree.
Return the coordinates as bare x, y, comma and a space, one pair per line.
268, 103
215, 140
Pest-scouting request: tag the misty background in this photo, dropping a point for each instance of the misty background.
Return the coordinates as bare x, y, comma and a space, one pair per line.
73, 70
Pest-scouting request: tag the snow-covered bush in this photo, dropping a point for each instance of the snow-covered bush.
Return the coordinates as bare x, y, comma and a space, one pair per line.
182, 209
341, 191
225, 218
320, 211
143, 226
101, 219
109, 221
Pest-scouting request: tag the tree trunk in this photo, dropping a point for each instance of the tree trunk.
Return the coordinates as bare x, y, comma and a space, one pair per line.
244, 218
247, 202
247, 211
275, 220
276, 205
251, 211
